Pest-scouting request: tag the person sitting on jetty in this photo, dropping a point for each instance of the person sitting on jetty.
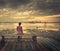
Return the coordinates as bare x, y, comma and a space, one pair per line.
19, 29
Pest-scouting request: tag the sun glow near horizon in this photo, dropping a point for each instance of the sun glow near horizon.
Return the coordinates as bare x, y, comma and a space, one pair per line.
14, 15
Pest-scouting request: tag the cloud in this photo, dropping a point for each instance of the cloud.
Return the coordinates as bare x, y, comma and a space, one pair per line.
54, 7
41, 7
13, 3
2, 3
49, 7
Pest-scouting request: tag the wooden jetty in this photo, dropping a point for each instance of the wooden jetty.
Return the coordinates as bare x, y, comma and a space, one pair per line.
28, 44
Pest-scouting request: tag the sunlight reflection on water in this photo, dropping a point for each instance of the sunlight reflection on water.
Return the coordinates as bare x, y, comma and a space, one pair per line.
30, 26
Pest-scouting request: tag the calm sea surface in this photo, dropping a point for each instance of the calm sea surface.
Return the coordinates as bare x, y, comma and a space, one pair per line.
30, 26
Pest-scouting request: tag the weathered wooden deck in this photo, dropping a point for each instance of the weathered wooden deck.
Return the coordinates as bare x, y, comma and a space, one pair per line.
29, 44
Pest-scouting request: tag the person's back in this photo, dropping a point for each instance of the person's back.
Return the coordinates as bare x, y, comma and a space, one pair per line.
19, 29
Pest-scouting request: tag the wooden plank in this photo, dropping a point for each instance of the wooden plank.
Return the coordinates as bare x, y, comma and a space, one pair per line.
3, 49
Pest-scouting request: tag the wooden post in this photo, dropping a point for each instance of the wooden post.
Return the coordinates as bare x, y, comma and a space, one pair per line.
19, 38
2, 42
34, 38
3, 39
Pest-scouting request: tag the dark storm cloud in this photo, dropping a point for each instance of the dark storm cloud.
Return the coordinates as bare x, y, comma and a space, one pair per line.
14, 3
55, 6
50, 7
44, 6
2, 3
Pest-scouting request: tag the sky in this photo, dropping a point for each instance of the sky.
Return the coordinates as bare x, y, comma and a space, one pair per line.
29, 10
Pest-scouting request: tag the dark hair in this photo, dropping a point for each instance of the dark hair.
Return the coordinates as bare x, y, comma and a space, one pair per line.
19, 23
